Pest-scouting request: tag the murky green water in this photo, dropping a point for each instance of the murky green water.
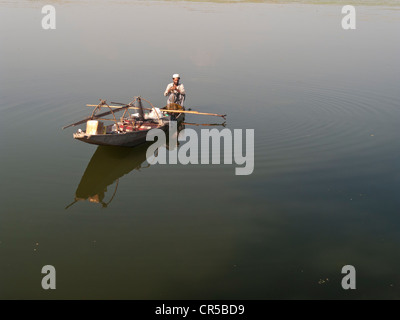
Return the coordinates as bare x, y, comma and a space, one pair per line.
324, 104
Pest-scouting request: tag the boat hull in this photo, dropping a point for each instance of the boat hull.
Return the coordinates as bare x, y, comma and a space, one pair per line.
124, 139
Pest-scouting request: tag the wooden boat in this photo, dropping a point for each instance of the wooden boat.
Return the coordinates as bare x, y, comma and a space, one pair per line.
130, 130
128, 133
98, 184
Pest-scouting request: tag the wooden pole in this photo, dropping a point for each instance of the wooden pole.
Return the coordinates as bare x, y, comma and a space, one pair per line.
203, 124
131, 107
170, 111
93, 118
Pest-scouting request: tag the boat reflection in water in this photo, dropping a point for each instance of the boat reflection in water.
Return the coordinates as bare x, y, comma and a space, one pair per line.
107, 166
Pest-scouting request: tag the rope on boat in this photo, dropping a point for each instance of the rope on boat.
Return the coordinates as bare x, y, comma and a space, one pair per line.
103, 103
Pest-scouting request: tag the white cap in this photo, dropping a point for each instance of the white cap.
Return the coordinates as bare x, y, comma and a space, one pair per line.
175, 75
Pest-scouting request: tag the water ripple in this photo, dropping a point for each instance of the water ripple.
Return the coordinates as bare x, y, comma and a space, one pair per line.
328, 123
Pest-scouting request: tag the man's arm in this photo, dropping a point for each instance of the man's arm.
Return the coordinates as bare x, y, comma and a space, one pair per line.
167, 90
181, 89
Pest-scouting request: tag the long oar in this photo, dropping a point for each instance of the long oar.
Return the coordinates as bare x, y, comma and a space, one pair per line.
173, 111
204, 124
120, 104
196, 112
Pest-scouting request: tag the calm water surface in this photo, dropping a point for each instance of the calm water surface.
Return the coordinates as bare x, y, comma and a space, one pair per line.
324, 104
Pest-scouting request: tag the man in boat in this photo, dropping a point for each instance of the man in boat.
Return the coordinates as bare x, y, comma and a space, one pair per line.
175, 92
